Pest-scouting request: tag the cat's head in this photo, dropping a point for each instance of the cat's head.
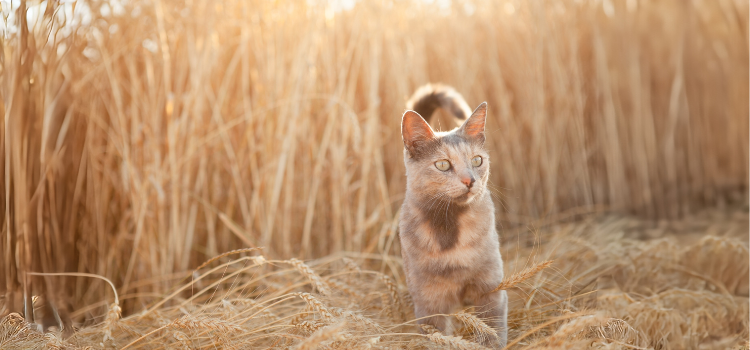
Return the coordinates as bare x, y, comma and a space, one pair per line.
442, 166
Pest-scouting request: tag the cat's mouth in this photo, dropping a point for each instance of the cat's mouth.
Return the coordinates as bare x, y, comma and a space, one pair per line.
464, 197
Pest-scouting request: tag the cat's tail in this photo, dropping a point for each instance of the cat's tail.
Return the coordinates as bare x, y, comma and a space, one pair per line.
427, 98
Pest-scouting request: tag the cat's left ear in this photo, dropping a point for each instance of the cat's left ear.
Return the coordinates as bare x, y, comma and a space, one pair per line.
415, 131
474, 126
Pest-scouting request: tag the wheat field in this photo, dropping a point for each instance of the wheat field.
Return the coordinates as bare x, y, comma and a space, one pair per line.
234, 169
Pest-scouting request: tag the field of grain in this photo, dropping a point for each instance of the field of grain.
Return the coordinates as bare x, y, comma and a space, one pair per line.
613, 283
234, 169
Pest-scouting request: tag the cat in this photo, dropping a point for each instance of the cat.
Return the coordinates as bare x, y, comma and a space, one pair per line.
449, 243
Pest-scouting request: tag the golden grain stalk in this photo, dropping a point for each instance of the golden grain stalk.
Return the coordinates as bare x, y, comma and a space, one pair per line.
521, 276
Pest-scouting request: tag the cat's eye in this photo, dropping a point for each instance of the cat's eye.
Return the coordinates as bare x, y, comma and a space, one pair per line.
443, 165
476, 161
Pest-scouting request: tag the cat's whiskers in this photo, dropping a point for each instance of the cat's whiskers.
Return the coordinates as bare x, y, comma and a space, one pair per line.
497, 194
497, 188
447, 207
433, 199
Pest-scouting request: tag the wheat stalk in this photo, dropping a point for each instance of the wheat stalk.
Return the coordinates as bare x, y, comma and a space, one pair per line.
182, 338
392, 289
231, 252
428, 328
387, 307
476, 325
455, 342
309, 326
205, 323
316, 305
571, 333
361, 320
110, 322
53, 341
619, 330
323, 334
253, 305
519, 277
317, 282
351, 266
299, 317
114, 311
80, 274
345, 288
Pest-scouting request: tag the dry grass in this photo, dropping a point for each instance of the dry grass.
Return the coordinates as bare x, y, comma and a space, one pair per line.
141, 139
593, 296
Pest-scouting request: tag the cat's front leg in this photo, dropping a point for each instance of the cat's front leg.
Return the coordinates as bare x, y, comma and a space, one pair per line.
425, 307
440, 322
493, 310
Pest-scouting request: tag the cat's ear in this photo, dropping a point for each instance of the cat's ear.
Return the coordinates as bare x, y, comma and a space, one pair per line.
415, 131
474, 126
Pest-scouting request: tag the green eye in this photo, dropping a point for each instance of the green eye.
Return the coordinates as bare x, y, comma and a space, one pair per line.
476, 161
443, 165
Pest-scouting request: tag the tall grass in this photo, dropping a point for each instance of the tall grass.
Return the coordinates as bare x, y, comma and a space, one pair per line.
141, 138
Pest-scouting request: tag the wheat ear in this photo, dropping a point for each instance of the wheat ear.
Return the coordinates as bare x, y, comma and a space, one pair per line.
316, 305
110, 322
475, 324
317, 282
309, 326
454, 342
428, 328
231, 252
519, 277
321, 335
392, 289
205, 323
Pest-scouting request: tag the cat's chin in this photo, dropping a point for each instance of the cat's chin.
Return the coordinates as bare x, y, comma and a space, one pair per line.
465, 198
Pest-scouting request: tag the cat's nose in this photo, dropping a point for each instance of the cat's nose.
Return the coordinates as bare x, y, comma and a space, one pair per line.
468, 181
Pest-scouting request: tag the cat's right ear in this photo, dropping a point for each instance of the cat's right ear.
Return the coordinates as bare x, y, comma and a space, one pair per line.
415, 131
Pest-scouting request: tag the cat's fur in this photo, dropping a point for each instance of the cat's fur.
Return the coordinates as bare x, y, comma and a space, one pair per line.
449, 242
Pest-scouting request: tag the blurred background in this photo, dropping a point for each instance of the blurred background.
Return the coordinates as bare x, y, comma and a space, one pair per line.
141, 138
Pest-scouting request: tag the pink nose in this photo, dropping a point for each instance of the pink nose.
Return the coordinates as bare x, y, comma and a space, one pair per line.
468, 181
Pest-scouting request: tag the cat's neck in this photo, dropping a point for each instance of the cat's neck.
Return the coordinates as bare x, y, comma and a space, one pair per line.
443, 217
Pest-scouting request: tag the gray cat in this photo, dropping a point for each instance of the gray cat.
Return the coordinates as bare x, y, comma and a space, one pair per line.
449, 242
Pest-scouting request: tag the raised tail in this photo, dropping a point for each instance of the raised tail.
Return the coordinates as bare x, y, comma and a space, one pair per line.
427, 98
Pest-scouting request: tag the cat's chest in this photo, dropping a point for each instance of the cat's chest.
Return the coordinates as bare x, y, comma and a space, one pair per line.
464, 242
448, 240
453, 229
471, 253
445, 228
